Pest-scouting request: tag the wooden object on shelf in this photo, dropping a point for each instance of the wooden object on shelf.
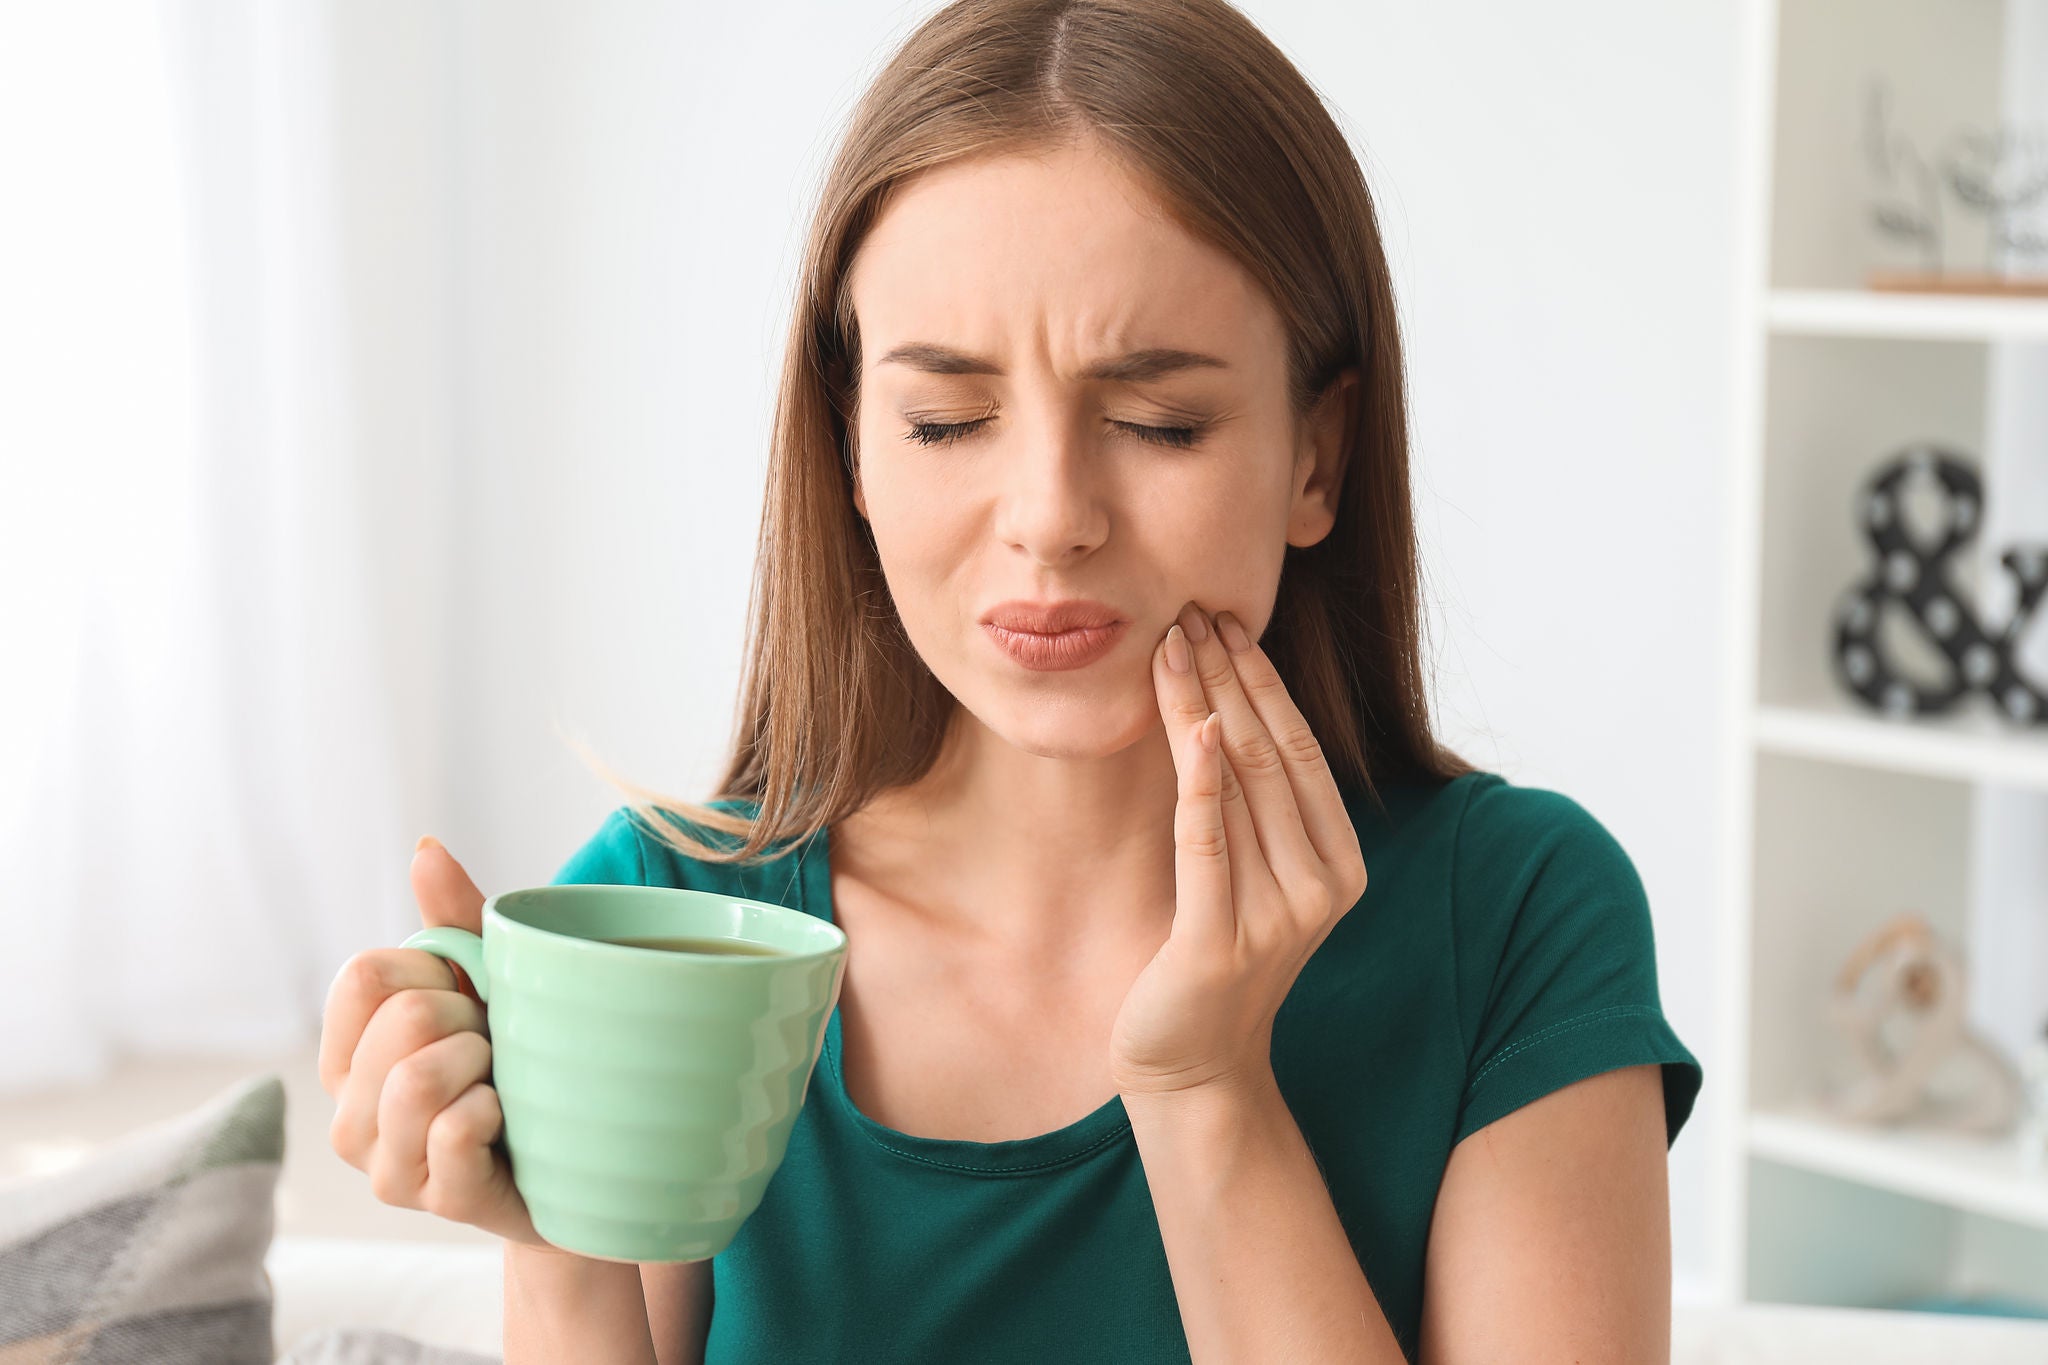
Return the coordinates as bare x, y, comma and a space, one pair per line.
1921, 982
1916, 282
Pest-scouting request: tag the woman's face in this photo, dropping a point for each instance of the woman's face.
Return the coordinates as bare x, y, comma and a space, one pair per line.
986, 294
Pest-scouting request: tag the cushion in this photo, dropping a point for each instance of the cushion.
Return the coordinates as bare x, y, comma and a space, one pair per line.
151, 1249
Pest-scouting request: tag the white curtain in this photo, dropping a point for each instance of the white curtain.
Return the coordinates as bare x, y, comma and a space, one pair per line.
383, 402
201, 766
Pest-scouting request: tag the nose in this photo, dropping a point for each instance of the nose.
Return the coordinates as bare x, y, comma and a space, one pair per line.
1053, 507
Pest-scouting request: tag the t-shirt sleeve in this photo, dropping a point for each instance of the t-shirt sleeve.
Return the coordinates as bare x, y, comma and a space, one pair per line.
1557, 962
611, 857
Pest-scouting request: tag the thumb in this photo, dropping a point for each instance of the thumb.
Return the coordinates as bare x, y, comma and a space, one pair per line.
446, 895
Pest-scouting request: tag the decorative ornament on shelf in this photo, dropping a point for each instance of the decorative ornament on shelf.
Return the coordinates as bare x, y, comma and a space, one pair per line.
1918, 580
1899, 1001
2000, 173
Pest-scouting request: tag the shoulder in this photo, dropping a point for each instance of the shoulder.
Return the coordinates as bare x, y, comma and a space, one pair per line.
1510, 835
611, 856
1555, 953
1540, 886
627, 849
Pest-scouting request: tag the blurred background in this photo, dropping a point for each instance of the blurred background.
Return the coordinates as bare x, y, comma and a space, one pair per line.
386, 400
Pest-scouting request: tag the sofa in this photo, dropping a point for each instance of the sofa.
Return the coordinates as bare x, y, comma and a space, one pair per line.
445, 1294
451, 1295
163, 1246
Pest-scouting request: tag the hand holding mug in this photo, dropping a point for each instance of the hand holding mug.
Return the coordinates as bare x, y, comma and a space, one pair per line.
405, 1053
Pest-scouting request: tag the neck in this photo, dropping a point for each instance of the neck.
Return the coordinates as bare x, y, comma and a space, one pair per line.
1019, 848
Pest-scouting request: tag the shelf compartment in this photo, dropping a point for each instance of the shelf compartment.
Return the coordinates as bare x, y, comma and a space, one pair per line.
1976, 1174
1821, 1237
1838, 409
1969, 746
1943, 65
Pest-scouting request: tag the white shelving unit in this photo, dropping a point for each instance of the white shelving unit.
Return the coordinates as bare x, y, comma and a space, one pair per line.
1838, 818
1847, 313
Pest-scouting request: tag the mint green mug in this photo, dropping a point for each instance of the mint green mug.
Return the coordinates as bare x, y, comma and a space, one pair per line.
648, 1094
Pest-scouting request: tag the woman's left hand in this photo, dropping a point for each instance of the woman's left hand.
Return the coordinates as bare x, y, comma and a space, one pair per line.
1266, 861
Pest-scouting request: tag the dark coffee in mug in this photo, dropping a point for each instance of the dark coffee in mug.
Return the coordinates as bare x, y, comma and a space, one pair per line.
727, 947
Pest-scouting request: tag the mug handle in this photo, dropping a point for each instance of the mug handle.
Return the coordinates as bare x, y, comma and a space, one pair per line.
459, 946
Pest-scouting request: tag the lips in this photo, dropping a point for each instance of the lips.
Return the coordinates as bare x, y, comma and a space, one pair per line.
1054, 636
1052, 618
1051, 653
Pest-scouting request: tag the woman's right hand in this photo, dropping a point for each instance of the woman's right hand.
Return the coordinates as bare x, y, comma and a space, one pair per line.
405, 1054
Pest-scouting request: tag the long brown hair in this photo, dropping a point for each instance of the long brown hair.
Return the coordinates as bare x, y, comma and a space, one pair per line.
836, 705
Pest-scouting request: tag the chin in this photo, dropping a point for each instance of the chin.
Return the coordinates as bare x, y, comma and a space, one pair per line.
1080, 724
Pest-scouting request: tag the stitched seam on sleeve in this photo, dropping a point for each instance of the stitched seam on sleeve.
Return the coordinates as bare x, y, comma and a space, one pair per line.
1563, 1026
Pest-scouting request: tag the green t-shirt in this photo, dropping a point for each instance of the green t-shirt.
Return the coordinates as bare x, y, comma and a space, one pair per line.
1502, 949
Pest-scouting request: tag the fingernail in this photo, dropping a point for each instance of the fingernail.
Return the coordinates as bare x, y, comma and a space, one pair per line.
1177, 657
1232, 633
426, 839
1197, 625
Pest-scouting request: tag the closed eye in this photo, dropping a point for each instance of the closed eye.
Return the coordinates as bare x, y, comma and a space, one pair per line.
945, 433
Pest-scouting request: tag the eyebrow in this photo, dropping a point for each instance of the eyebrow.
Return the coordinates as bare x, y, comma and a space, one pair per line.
1135, 367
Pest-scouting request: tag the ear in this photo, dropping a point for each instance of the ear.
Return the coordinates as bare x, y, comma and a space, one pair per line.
1320, 460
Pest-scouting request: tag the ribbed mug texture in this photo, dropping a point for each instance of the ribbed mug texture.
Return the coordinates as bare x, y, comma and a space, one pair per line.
648, 1095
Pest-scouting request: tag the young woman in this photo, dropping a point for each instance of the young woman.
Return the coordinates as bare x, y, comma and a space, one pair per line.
1199, 1004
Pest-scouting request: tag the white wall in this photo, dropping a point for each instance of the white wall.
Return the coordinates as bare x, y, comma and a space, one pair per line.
621, 188
1555, 183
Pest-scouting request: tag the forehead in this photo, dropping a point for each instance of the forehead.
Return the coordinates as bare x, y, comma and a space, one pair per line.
1064, 251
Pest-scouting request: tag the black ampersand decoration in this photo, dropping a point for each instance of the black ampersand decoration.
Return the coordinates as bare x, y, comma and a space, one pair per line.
1918, 579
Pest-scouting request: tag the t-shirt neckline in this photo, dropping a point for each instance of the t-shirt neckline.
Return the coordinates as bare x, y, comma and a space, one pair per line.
1102, 1128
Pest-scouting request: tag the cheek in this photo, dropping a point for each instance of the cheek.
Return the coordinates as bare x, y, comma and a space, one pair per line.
1225, 540
919, 541
896, 507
